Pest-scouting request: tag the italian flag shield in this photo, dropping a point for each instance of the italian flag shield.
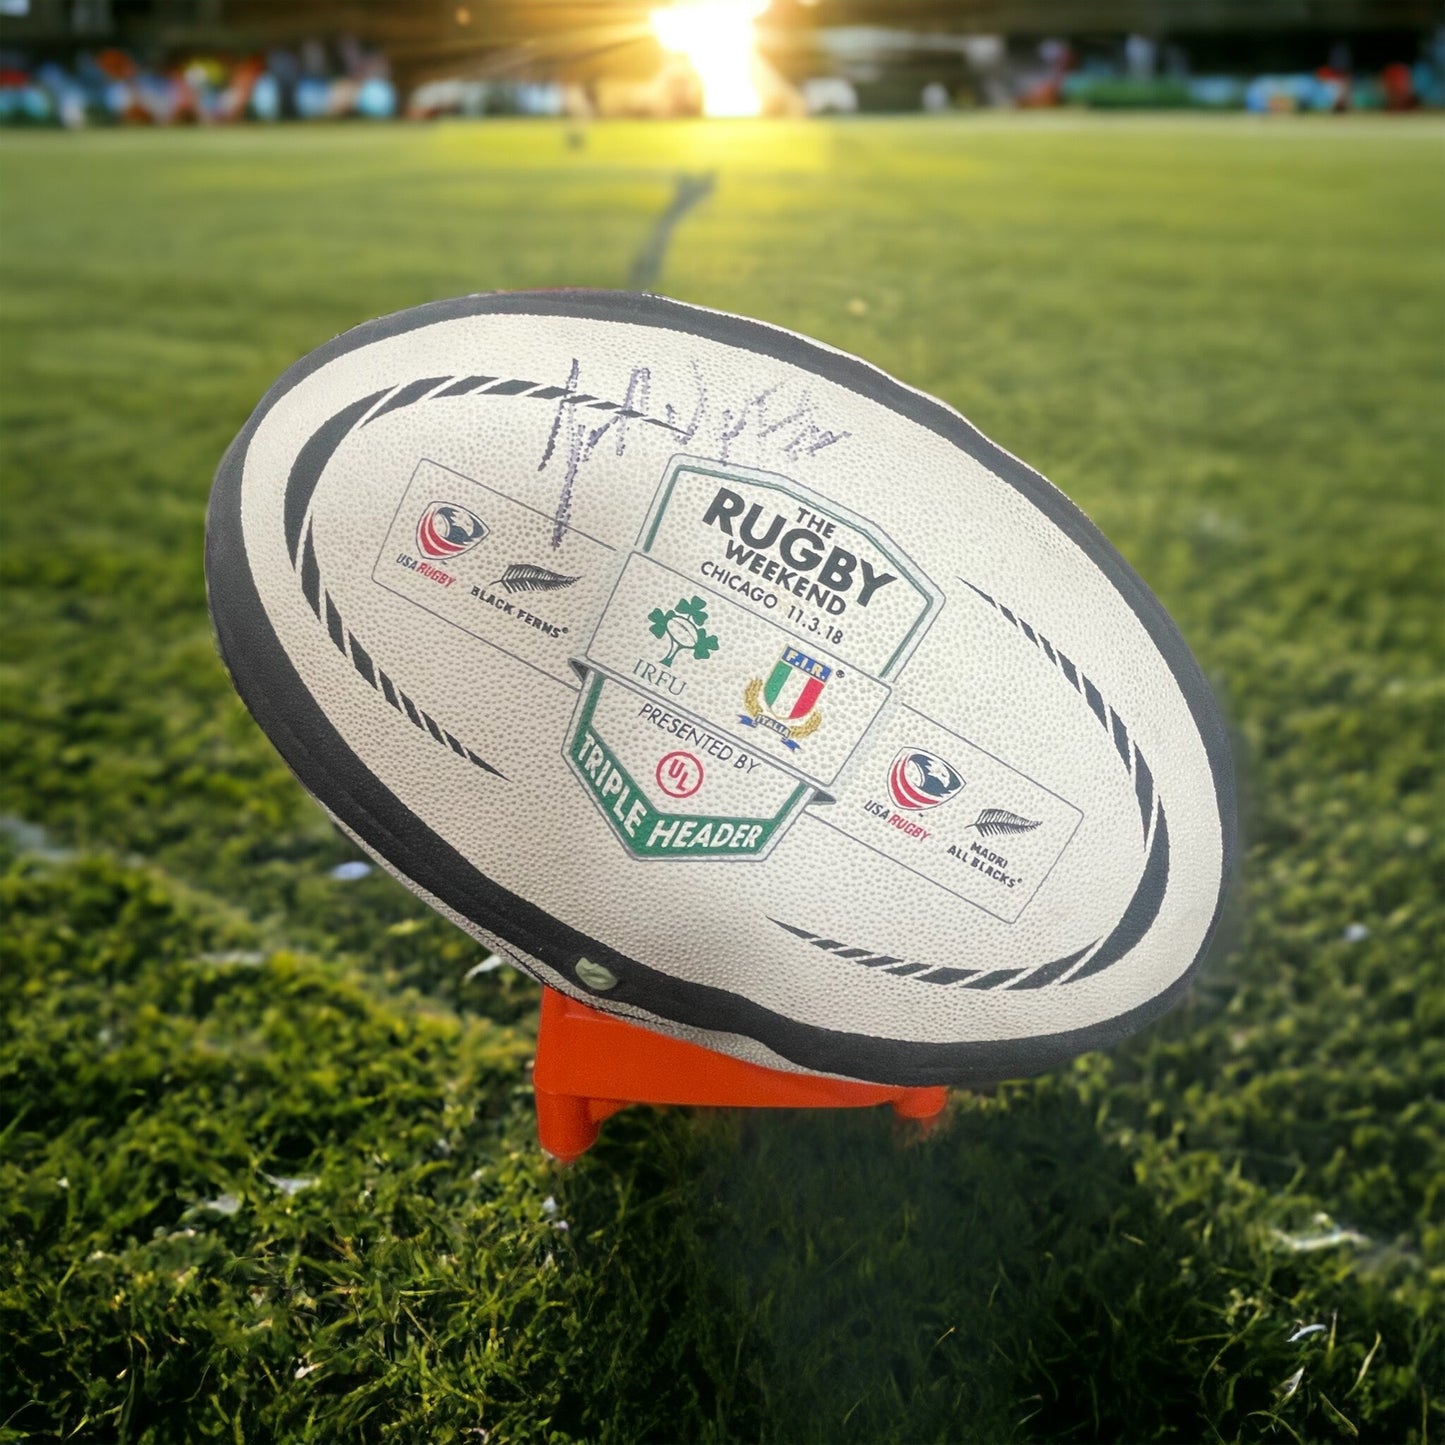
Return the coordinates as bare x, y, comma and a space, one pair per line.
794, 685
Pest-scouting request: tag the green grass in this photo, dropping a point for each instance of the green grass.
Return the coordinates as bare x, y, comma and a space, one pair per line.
1225, 339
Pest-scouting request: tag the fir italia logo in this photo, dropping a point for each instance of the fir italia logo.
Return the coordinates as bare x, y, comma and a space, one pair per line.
785, 702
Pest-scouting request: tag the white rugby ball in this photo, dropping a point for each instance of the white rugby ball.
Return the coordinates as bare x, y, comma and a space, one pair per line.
725, 683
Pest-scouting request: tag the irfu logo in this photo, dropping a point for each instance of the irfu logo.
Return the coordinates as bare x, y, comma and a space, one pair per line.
685, 627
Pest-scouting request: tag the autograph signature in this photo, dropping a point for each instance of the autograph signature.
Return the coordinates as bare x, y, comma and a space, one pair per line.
781, 420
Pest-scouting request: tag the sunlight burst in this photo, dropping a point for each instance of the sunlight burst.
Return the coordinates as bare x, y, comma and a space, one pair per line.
716, 36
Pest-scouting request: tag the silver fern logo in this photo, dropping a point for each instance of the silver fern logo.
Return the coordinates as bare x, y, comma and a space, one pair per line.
1000, 823
526, 577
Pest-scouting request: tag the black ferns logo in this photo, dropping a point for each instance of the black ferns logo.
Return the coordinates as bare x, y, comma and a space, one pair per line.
527, 577
447, 529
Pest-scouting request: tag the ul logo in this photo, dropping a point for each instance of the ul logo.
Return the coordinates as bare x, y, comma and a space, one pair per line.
679, 775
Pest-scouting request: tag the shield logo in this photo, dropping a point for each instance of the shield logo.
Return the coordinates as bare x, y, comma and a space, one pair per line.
794, 685
447, 529
919, 780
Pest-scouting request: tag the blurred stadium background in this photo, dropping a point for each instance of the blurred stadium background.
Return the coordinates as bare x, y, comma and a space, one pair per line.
78, 62
268, 1167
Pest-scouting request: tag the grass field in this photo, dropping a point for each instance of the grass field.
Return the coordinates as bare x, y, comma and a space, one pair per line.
268, 1166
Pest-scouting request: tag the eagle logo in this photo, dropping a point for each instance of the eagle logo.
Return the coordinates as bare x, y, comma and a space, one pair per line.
447, 529
919, 780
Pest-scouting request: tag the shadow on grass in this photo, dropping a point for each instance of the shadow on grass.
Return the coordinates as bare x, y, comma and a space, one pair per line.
836, 1276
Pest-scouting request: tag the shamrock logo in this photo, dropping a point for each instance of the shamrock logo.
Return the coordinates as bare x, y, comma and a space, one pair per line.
685, 626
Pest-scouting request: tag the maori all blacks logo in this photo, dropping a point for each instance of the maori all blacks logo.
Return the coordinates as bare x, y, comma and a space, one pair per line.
447, 529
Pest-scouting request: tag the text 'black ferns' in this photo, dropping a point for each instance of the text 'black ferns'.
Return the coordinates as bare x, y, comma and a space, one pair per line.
999, 820
524, 577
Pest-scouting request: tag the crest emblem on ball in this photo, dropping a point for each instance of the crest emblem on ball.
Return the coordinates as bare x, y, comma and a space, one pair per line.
447, 529
919, 780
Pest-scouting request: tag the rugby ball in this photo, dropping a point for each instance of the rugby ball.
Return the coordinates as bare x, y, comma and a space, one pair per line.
726, 684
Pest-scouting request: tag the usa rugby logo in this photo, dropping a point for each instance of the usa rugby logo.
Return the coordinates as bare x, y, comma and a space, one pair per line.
447, 529
919, 780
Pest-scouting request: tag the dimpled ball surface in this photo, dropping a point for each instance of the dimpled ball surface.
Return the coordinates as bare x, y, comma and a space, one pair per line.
812, 725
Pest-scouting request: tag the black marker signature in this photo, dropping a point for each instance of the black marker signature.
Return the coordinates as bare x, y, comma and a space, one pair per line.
779, 421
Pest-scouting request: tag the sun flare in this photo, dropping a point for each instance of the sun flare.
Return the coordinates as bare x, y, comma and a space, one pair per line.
716, 36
